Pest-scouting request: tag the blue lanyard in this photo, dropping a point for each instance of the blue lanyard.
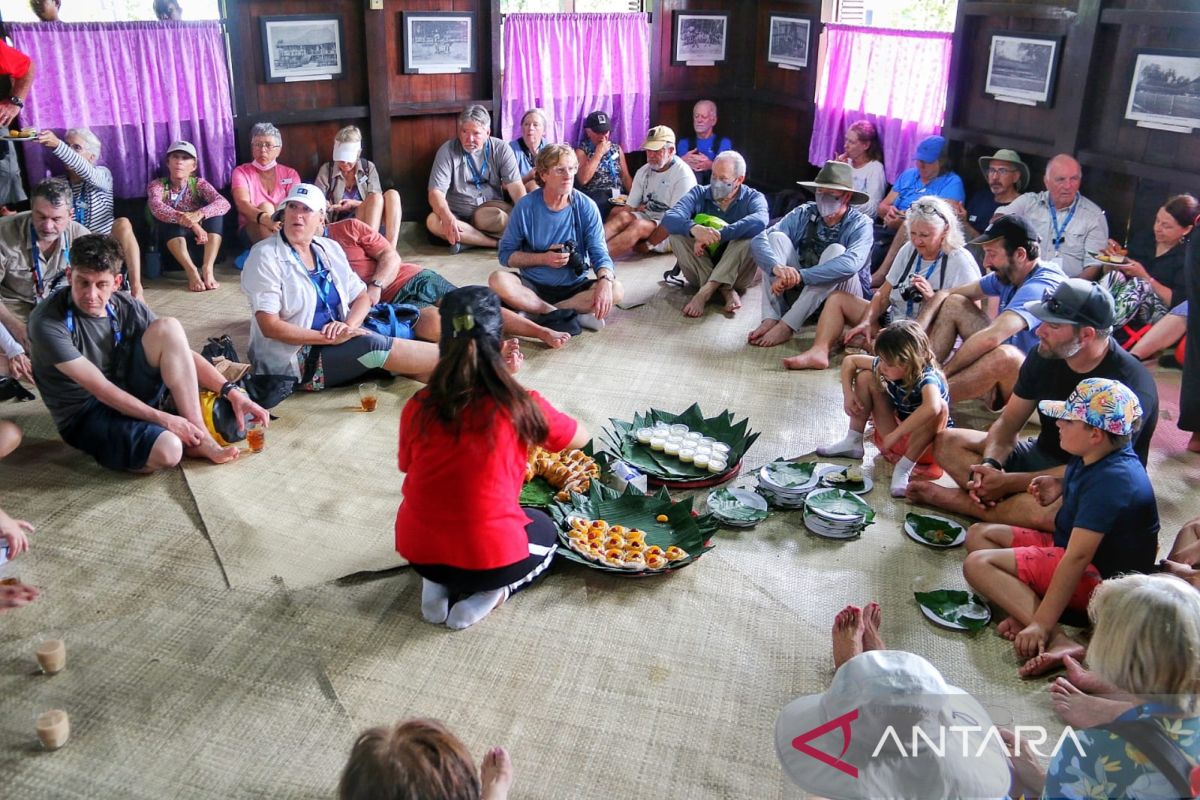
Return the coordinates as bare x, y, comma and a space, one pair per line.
1060, 233
477, 177
112, 321
81, 203
39, 285
321, 279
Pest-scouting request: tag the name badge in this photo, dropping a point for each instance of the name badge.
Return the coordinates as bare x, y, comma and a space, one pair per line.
285, 181
479, 200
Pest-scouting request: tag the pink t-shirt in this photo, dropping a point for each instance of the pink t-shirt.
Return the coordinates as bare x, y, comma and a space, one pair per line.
246, 176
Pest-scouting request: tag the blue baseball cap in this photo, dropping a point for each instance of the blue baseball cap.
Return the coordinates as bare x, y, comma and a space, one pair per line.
930, 149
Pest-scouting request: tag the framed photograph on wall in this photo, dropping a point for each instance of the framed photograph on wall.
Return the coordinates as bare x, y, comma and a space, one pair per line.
1165, 90
438, 42
302, 47
1022, 68
789, 40
699, 39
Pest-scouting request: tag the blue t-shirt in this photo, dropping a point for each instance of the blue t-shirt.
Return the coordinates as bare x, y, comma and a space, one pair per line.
908, 187
981, 208
534, 228
710, 146
1104, 764
905, 402
1112, 497
329, 299
1013, 298
524, 158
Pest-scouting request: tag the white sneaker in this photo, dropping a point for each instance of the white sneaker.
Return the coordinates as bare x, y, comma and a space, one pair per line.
591, 322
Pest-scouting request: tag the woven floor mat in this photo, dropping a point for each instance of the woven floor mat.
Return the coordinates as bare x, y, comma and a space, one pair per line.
200, 695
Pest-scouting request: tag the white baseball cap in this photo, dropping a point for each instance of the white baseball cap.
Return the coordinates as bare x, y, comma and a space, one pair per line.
304, 193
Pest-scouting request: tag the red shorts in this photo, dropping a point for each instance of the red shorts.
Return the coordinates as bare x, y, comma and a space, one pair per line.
1037, 558
901, 447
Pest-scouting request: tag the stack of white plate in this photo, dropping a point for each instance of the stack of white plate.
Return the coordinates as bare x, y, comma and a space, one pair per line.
845, 520
778, 483
737, 508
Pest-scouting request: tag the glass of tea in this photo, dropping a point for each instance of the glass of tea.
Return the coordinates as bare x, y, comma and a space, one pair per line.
368, 395
256, 436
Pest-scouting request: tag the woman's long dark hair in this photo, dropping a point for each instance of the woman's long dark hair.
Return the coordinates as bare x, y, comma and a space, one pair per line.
471, 369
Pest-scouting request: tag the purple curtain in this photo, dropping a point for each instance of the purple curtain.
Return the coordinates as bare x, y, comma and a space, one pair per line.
138, 86
895, 79
572, 64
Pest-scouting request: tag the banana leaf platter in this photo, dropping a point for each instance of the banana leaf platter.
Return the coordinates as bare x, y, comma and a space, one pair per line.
660, 468
538, 493
636, 510
955, 609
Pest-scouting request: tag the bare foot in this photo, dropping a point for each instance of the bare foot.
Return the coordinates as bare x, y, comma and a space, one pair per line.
1194, 443
1009, 628
872, 619
1081, 710
212, 451
1085, 680
847, 635
758, 332
495, 775
946, 498
210, 282
553, 339
510, 352
195, 284
695, 306
733, 300
810, 359
780, 332
1052, 658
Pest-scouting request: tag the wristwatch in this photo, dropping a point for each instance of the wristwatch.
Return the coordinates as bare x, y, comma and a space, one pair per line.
226, 388
16, 101
377, 284
608, 276
991, 462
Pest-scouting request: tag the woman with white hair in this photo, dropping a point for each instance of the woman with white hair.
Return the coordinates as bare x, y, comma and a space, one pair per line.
934, 259
1146, 648
534, 127
92, 195
352, 187
259, 186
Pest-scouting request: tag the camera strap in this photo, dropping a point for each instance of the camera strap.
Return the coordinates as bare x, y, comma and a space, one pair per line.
912, 262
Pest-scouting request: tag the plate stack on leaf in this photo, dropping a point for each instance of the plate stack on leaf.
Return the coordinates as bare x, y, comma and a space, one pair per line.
737, 508
954, 609
836, 513
934, 531
785, 484
634, 510
662, 469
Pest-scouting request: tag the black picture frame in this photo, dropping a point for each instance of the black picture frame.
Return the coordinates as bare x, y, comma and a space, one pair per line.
302, 47
438, 42
1169, 107
699, 38
1023, 68
789, 40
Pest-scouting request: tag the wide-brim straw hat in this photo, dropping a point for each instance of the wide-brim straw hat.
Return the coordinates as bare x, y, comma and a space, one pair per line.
838, 176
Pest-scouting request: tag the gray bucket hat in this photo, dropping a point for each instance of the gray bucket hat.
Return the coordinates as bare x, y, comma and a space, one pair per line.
838, 176
1011, 157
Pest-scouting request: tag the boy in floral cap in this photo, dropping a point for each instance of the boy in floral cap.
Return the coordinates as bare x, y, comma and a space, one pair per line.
1108, 524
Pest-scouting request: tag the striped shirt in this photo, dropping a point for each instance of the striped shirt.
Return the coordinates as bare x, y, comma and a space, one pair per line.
93, 195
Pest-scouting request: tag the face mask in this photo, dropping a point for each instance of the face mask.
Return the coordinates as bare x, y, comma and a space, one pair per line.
721, 189
828, 205
262, 168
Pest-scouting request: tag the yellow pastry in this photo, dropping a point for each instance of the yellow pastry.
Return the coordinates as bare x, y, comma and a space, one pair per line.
674, 553
654, 560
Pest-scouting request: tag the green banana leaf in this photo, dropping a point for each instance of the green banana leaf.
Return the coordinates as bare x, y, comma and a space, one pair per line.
538, 493
956, 606
791, 473
636, 510
933, 529
839, 501
622, 441
848, 485
730, 507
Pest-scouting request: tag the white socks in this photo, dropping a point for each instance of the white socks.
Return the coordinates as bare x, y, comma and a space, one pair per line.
591, 322
900, 476
849, 447
471, 609
435, 601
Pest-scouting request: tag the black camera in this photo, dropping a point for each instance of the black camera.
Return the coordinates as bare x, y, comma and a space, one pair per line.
911, 293
574, 260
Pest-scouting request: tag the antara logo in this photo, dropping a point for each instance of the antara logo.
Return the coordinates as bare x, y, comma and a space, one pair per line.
842, 722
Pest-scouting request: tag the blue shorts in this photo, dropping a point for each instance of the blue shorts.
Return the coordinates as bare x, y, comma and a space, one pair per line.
113, 439
328, 365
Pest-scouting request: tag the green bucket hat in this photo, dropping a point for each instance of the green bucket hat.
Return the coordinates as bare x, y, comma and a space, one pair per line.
838, 176
1011, 157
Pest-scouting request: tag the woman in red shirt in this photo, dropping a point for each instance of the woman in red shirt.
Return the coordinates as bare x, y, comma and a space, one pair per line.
464, 443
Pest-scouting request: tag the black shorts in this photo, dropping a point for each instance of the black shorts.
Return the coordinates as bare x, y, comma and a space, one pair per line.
113, 439
543, 540
556, 294
1026, 456
340, 364
169, 230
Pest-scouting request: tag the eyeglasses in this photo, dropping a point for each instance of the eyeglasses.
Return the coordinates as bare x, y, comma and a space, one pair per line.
263, 145
563, 171
1000, 170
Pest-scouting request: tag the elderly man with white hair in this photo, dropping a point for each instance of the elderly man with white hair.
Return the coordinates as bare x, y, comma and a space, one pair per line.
819, 248
470, 175
92, 195
711, 229
657, 186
